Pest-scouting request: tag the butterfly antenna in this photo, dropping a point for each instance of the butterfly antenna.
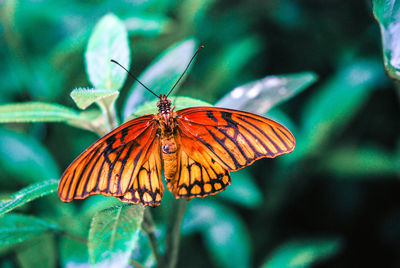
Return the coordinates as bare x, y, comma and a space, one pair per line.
134, 77
187, 67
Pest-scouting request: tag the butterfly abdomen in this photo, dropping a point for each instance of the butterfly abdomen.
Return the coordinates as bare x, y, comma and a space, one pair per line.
169, 152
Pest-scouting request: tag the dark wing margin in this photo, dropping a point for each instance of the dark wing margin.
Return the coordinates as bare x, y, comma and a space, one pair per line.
234, 139
110, 166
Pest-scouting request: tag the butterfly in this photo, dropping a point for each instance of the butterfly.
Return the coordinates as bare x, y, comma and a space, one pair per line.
197, 148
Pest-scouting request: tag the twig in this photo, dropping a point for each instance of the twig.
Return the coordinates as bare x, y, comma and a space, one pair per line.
173, 236
78, 238
148, 227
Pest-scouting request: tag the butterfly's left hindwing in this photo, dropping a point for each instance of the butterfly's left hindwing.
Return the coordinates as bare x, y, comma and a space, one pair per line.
111, 164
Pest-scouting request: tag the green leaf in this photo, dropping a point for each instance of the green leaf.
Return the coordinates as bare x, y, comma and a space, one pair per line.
44, 112
387, 13
104, 98
303, 252
329, 110
36, 112
261, 95
20, 153
226, 237
95, 204
84, 97
28, 194
160, 76
16, 228
243, 190
361, 162
180, 102
113, 235
109, 40
41, 252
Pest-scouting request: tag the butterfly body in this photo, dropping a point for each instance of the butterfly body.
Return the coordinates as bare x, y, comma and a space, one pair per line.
197, 148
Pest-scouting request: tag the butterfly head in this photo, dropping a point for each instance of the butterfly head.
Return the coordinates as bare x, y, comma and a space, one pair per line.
164, 104
164, 108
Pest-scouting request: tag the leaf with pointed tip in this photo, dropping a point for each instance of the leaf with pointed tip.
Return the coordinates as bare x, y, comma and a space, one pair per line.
303, 252
84, 97
160, 76
261, 95
109, 40
28, 194
113, 235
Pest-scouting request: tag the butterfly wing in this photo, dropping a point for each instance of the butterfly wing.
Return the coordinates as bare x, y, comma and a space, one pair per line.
215, 141
235, 139
198, 175
147, 188
111, 165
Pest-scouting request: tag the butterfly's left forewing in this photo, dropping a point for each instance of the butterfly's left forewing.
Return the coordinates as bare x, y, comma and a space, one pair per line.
111, 165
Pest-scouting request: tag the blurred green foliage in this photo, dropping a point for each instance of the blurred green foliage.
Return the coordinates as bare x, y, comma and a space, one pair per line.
333, 202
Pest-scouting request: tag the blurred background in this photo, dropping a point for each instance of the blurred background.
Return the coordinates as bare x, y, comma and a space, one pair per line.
333, 202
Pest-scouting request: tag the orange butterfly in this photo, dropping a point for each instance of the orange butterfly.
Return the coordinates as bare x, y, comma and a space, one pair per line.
197, 147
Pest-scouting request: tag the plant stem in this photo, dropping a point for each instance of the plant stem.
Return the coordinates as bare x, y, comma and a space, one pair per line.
173, 236
112, 117
108, 111
148, 227
78, 238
